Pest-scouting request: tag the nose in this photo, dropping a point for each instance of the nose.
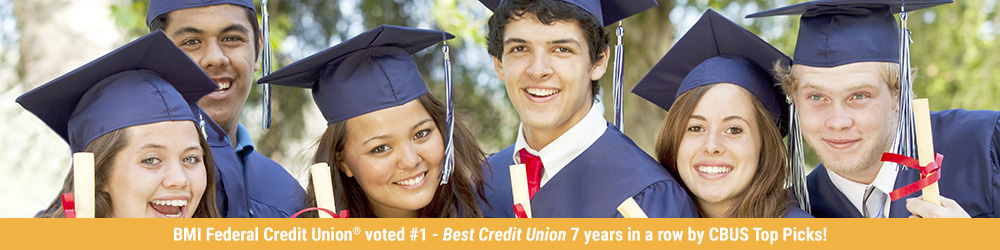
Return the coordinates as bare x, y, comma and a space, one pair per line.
175, 176
410, 157
839, 119
213, 57
539, 68
712, 144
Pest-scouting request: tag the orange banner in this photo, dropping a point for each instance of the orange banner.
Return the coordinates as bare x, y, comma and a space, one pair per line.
495, 233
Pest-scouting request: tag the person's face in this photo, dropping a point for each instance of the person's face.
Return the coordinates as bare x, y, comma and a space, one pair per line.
395, 154
847, 114
160, 173
220, 39
720, 148
547, 70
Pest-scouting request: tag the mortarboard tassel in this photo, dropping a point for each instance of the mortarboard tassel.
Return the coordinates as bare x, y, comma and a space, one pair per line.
449, 150
797, 159
905, 141
265, 63
617, 80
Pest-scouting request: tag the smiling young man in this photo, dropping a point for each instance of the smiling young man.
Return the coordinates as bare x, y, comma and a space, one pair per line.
845, 84
223, 38
550, 54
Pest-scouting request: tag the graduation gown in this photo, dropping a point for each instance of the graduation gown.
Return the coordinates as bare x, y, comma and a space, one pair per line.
592, 185
969, 174
250, 185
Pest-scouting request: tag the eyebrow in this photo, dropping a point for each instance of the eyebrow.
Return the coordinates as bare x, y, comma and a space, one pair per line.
188, 29
421, 123
150, 145
558, 41
729, 118
853, 88
735, 117
235, 27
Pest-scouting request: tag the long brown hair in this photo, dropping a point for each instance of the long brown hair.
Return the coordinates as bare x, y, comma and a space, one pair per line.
105, 148
766, 196
458, 198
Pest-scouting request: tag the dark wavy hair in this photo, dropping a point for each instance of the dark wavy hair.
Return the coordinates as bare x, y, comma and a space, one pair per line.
766, 196
548, 12
458, 198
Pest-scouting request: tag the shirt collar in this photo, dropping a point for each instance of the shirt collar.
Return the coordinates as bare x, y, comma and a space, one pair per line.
855, 192
567, 146
244, 142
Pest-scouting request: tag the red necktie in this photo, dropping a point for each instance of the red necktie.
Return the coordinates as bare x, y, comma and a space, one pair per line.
533, 167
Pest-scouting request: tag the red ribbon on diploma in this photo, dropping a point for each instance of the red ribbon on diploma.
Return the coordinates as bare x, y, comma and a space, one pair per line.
519, 211
69, 206
928, 174
343, 213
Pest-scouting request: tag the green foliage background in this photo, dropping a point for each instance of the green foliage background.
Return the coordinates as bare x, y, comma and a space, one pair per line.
954, 50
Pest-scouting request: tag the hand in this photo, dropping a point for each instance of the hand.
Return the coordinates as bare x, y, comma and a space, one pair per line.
923, 209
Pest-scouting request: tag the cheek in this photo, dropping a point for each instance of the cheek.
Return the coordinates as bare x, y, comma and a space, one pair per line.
685, 152
371, 172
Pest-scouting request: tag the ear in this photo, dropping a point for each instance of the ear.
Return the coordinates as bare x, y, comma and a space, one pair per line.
347, 171
498, 68
601, 66
260, 51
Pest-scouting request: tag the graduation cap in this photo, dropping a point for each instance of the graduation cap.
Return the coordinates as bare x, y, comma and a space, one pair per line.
160, 7
146, 81
369, 72
606, 11
716, 50
838, 32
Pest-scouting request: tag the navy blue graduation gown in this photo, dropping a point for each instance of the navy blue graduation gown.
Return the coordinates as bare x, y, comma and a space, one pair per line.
796, 212
593, 184
272, 192
969, 174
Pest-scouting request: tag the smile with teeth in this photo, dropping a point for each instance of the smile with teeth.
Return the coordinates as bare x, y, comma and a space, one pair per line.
540, 92
411, 181
223, 85
169, 208
714, 169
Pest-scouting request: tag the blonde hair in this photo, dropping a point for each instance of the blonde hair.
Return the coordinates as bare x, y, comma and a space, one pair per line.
789, 82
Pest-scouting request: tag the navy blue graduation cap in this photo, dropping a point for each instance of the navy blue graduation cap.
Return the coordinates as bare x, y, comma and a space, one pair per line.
606, 11
838, 32
146, 81
369, 72
716, 50
160, 7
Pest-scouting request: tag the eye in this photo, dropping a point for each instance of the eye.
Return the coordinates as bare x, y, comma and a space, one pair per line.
193, 159
422, 134
859, 96
519, 48
695, 128
151, 161
379, 149
190, 42
734, 130
233, 39
815, 97
564, 50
